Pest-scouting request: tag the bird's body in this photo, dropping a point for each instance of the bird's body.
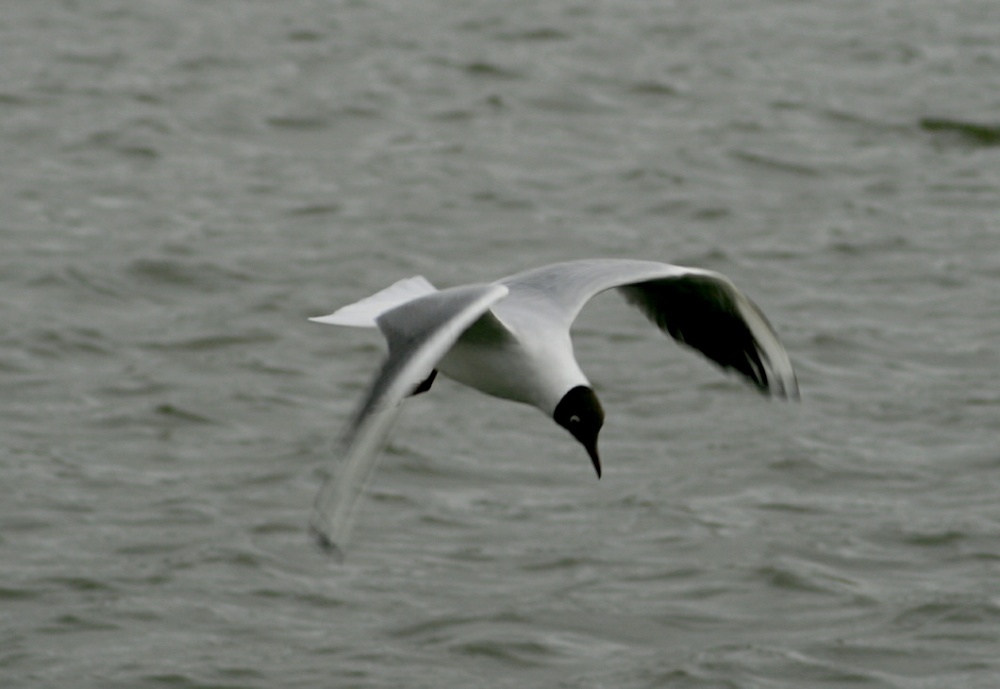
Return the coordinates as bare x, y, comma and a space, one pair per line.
511, 339
523, 362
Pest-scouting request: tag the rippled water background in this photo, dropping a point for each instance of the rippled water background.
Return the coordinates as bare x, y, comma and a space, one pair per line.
184, 182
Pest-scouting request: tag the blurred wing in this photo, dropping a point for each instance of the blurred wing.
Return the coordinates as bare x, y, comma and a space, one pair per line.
419, 332
698, 308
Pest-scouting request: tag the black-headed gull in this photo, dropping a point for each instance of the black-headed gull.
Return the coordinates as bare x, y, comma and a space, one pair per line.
511, 339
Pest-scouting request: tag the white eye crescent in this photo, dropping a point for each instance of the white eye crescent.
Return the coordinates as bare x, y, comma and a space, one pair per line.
574, 419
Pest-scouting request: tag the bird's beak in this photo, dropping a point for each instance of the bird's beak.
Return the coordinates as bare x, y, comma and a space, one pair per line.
594, 457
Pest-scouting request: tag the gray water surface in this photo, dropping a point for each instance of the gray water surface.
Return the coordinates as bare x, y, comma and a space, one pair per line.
183, 182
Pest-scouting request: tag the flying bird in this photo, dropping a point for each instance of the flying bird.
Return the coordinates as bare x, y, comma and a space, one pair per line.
511, 339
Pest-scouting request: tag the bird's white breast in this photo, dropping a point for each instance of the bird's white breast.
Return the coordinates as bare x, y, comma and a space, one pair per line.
536, 370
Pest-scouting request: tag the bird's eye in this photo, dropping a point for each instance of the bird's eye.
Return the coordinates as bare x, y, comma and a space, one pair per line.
574, 419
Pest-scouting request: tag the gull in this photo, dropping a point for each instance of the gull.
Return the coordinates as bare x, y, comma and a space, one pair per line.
511, 339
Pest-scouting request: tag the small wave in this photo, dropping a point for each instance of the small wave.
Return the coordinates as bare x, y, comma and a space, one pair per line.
490, 70
506, 651
204, 343
59, 342
651, 87
9, 593
964, 131
781, 666
299, 122
315, 209
774, 163
788, 580
959, 610
175, 272
177, 413
537, 34
136, 139
80, 583
79, 280
71, 624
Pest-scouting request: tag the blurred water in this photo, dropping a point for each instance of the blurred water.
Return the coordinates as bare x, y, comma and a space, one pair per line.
184, 182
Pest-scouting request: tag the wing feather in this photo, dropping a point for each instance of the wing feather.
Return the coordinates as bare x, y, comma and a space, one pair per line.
699, 308
365, 313
419, 333
707, 313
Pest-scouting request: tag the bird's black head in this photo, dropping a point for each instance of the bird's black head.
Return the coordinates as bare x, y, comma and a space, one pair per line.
580, 413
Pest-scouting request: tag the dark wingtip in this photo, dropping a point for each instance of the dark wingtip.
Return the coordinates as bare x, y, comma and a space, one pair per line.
325, 544
785, 390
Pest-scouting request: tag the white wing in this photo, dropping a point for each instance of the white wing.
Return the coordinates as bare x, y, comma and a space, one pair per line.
699, 308
363, 314
419, 332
